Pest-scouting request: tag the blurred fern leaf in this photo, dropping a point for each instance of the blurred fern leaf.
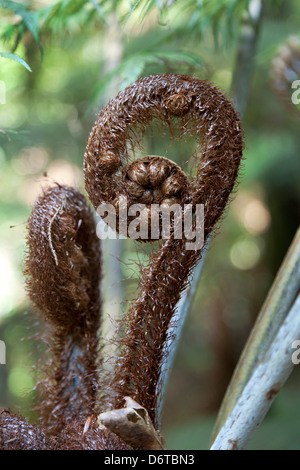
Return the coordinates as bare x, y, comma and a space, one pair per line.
133, 67
16, 58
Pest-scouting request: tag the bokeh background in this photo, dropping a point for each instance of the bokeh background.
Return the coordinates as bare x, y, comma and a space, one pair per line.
80, 54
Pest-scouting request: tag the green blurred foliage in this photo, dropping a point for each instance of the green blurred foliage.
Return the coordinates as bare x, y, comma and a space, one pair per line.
81, 53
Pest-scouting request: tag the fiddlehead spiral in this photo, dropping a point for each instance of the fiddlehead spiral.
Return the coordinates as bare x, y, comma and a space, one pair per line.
63, 260
63, 274
200, 110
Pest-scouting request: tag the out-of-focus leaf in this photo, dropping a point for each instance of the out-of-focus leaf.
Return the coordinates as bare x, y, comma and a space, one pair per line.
58, 16
136, 5
97, 7
133, 67
5, 133
8, 33
16, 58
30, 19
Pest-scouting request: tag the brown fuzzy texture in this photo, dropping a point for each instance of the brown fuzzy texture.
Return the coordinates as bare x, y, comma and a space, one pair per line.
63, 273
194, 108
63, 261
157, 177
63, 270
17, 434
152, 180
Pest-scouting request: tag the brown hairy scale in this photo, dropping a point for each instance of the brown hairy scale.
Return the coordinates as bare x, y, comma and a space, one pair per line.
194, 108
63, 272
63, 259
153, 180
17, 434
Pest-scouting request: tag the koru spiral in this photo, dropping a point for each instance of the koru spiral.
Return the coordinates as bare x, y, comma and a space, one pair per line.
196, 109
63, 262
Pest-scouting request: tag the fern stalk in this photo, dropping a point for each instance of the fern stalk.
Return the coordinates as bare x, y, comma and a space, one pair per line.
263, 386
273, 315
